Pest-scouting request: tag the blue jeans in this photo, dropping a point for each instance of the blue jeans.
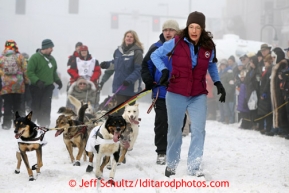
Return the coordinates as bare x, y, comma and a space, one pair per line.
197, 110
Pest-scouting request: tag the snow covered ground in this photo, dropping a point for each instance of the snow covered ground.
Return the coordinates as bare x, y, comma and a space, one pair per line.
245, 159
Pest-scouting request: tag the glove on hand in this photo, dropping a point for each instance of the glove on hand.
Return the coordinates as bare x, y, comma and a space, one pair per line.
125, 83
40, 84
59, 83
264, 95
221, 90
100, 85
104, 65
150, 85
164, 78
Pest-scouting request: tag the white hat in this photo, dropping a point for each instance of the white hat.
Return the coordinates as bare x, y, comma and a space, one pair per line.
173, 24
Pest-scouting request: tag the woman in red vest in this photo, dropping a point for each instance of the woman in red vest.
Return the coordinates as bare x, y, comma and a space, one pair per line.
192, 53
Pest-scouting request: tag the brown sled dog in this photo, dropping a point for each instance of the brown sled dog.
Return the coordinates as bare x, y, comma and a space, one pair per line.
30, 138
74, 135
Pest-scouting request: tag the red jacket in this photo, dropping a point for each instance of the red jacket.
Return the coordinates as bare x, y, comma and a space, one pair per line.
73, 71
186, 80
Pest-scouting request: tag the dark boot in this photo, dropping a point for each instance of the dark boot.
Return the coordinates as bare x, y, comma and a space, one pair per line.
170, 172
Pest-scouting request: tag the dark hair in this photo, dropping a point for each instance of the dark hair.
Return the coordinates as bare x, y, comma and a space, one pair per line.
254, 59
206, 40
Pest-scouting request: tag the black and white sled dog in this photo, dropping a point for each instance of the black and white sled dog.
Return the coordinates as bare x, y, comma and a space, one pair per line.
104, 143
131, 115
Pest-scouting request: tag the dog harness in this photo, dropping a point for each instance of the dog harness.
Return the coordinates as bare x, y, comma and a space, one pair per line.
95, 139
83, 130
39, 138
100, 140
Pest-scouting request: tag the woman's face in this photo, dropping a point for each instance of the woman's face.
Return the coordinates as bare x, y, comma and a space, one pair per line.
267, 64
129, 39
82, 85
252, 64
195, 31
83, 53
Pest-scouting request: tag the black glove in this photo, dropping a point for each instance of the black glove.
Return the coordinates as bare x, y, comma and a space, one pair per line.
40, 84
164, 78
104, 65
100, 85
150, 85
59, 83
221, 90
125, 83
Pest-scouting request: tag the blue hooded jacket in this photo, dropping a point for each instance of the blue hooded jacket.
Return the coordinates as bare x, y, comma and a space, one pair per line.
154, 74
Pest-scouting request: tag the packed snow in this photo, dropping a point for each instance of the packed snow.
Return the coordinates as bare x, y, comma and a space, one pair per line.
239, 160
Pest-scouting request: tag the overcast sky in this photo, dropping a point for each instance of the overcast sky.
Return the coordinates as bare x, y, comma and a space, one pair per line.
50, 19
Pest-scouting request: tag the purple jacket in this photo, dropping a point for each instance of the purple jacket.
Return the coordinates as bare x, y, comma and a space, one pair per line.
242, 101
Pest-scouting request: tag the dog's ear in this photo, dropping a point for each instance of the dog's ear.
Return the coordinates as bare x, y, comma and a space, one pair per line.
136, 104
29, 116
17, 115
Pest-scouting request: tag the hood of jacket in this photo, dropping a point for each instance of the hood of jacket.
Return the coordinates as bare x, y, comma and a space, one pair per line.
74, 87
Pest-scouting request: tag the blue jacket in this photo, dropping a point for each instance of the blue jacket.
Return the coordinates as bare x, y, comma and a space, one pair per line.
154, 74
126, 67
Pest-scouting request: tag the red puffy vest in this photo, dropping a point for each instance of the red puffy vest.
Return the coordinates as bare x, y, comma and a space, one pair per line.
186, 80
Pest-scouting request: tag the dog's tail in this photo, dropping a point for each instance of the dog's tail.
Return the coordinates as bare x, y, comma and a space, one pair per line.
75, 102
81, 113
65, 110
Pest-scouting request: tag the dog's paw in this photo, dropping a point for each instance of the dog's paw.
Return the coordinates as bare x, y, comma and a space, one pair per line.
108, 167
77, 163
34, 167
99, 176
111, 182
31, 178
17, 171
89, 168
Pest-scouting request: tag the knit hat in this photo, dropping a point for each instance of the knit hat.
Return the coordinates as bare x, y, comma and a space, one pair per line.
243, 56
78, 44
224, 62
232, 58
11, 45
173, 24
25, 55
197, 17
47, 43
83, 48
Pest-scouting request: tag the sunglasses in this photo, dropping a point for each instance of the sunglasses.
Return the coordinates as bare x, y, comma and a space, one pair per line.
82, 83
10, 44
